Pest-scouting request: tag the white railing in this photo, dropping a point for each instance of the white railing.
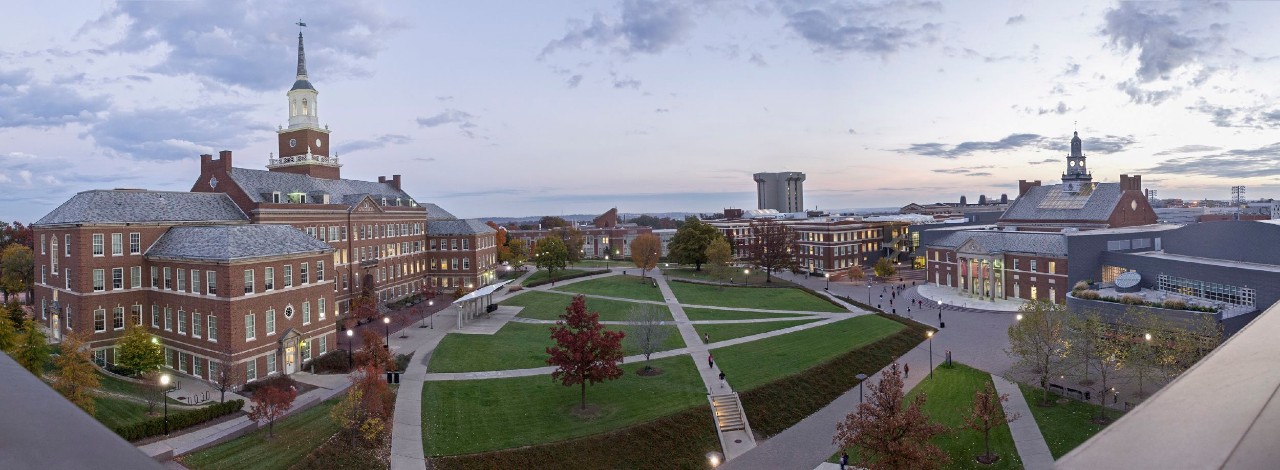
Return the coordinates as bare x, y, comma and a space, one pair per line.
302, 159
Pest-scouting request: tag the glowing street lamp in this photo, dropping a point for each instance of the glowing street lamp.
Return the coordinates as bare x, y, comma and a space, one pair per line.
164, 382
386, 321
929, 334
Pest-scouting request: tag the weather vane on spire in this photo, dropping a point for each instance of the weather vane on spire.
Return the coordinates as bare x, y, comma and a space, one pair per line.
300, 25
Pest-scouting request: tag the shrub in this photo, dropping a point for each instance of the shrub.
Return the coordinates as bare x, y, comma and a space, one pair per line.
281, 381
402, 361
1175, 304
1081, 285
1129, 299
332, 362
1088, 294
185, 419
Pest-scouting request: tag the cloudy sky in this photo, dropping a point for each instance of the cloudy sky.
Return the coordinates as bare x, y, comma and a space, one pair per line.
526, 108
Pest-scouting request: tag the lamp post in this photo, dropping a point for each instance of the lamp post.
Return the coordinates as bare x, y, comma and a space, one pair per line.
940, 323
746, 273
386, 321
828, 276
431, 303
164, 383
349, 362
930, 335
868, 293
606, 262
861, 378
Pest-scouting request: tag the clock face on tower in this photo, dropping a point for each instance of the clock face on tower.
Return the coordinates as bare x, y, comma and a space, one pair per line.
293, 143
318, 145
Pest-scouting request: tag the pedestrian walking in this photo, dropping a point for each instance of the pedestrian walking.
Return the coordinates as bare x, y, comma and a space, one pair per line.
906, 370
895, 310
721, 379
706, 337
710, 363
844, 460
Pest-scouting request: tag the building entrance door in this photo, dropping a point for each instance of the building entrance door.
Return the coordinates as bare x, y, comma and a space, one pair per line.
54, 325
289, 362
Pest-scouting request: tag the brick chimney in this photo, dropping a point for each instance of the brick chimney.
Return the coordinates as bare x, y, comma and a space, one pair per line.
382, 179
395, 182
1024, 186
223, 162
1131, 183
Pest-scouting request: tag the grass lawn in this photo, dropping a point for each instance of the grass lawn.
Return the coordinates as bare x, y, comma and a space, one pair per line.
751, 297
756, 363
462, 417
950, 399
116, 385
560, 274
723, 331
756, 276
696, 314
627, 287
115, 412
296, 436
515, 346
1064, 425
601, 264
545, 306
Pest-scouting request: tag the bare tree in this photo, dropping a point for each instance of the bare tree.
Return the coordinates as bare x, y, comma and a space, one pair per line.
223, 374
772, 246
648, 330
1038, 340
988, 414
1099, 345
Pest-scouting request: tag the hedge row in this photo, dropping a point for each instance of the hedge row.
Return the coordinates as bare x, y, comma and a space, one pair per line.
681, 440
778, 405
565, 278
185, 419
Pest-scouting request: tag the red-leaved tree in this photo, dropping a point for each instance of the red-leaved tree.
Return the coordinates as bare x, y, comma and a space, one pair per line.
585, 351
987, 415
373, 354
890, 434
269, 404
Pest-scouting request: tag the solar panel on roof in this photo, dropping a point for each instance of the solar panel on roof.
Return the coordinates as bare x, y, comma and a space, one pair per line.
1059, 199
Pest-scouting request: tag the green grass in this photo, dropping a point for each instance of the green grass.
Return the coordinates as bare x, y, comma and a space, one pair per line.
698, 314
1064, 425
756, 363
627, 287
756, 276
547, 306
950, 400
724, 331
751, 297
114, 412
114, 384
560, 274
295, 436
601, 264
462, 417
515, 346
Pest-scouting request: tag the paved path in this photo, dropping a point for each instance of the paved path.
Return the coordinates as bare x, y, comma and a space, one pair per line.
977, 339
1026, 433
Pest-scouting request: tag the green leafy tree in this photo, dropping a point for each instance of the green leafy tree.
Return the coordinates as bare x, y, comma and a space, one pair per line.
1039, 341
720, 258
17, 270
550, 254
691, 241
8, 333
885, 268
573, 242
32, 350
139, 351
518, 252
1100, 347
76, 377
14, 312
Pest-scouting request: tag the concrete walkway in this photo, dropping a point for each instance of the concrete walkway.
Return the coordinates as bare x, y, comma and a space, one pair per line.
1032, 448
953, 297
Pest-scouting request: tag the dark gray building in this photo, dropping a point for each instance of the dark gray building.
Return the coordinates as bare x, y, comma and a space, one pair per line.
783, 192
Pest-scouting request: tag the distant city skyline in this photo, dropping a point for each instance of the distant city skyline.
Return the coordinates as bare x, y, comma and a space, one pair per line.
522, 109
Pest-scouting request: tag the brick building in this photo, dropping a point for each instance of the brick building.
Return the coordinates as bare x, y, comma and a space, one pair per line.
1024, 254
462, 253
256, 265
190, 266
606, 236
824, 243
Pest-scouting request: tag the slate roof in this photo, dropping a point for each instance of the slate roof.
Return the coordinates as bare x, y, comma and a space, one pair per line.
458, 227
259, 184
1051, 203
234, 242
114, 206
1008, 242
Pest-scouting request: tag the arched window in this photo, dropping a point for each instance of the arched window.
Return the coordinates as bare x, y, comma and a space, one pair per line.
306, 109
293, 108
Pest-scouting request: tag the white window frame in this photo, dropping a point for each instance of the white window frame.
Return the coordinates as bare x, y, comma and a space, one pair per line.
155, 316
99, 280
182, 321
268, 279
135, 243
99, 318
135, 277
250, 327
98, 246
211, 282
271, 364
251, 370
117, 318
117, 278
271, 321
117, 244
249, 286
211, 323
288, 275
306, 312
195, 325
320, 308
168, 319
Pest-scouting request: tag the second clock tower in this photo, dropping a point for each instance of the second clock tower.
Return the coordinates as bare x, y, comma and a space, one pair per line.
304, 145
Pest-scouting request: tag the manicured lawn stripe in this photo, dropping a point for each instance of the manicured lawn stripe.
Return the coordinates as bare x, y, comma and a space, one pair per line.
461, 417
1064, 425
547, 306
756, 363
115, 412
560, 274
723, 331
751, 297
697, 314
295, 436
627, 287
515, 346
756, 276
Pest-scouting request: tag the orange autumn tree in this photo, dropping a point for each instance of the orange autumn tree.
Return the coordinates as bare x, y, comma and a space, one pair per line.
889, 434
645, 251
585, 352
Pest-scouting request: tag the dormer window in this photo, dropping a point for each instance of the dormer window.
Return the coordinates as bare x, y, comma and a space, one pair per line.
397, 201
275, 197
384, 201
324, 198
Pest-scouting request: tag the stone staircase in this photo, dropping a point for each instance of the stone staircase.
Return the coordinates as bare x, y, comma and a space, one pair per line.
728, 412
